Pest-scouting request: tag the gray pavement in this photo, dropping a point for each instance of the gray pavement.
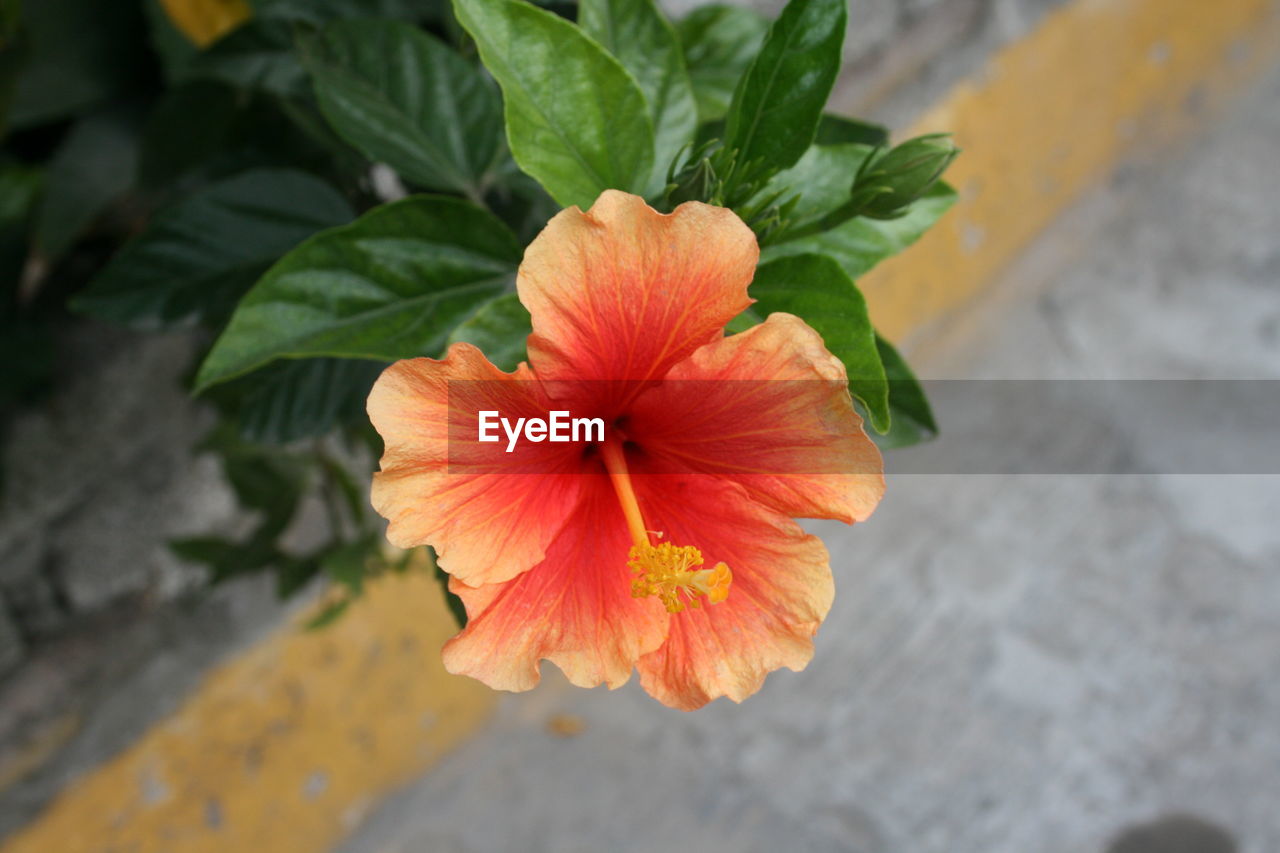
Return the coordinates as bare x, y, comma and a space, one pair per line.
1014, 664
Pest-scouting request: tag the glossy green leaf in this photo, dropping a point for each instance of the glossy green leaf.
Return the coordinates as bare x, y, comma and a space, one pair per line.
912, 417
818, 291
305, 398
821, 179
859, 244
838, 130
393, 284
639, 35
403, 98
201, 255
775, 110
748, 318
719, 43
94, 165
500, 329
576, 119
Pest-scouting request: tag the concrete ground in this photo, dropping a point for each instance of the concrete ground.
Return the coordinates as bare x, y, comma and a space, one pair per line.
1014, 664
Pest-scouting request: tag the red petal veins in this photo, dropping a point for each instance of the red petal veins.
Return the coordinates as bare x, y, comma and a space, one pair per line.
781, 591
574, 608
439, 486
621, 293
768, 408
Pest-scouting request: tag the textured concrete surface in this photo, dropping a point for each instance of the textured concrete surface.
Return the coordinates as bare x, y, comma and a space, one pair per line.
1033, 663
102, 630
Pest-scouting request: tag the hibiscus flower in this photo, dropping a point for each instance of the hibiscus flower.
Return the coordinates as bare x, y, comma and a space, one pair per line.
669, 546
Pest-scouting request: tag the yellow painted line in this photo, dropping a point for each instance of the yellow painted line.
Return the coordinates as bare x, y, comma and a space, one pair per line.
1050, 116
284, 748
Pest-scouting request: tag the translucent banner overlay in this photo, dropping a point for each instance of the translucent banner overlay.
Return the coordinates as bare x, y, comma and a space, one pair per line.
779, 427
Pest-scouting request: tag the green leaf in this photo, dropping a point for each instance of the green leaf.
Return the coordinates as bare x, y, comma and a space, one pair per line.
330, 613
454, 603
859, 244
576, 119
294, 573
10, 16
266, 481
341, 482
348, 563
776, 107
912, 417
13, 56
818, 291
317, 12
822, 179
303, 398
257, 56
522, 203
199, 256
173, 48
719, 43
500, 329
405, 99
80, 54
225, 558
188, 125
743, 321
838, 130
391, 285
20, 187
94, 165
639, 35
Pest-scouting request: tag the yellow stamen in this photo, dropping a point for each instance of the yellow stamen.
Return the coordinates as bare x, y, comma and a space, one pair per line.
665, 570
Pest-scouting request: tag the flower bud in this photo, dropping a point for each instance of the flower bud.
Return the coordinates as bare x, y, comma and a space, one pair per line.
889, 182
698, 182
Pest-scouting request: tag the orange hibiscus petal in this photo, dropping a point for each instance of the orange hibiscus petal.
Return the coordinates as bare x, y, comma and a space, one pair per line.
780, 593
768, 408
574, 609
439, 487
622, 292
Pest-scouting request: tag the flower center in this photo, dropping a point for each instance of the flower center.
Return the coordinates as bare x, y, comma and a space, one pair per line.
668, 571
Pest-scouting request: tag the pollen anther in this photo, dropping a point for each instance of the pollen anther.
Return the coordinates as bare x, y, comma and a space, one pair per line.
671, 572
